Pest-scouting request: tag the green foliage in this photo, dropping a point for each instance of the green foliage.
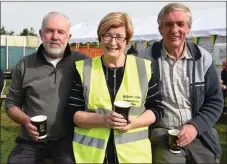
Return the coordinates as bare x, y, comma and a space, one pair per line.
5, 32
26, 32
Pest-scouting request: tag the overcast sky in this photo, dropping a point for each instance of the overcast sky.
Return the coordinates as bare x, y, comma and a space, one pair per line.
16, 16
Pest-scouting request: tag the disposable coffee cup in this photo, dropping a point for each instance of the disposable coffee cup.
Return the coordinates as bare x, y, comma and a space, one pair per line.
173, 141
40, 122
123, 108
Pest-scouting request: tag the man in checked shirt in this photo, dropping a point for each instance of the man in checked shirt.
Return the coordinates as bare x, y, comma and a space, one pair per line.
191, 92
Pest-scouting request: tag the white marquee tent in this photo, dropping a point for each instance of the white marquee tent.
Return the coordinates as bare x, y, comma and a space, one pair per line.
205, 23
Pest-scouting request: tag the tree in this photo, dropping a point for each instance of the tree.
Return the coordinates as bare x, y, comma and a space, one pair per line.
26, 32
11, 33
3, 31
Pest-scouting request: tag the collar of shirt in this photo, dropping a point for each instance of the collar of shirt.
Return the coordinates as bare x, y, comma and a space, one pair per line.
52, 61
186, 53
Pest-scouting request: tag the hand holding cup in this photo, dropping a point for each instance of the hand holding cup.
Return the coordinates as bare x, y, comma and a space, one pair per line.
114, 120
31, 129
40, 123
123, 108
173, 133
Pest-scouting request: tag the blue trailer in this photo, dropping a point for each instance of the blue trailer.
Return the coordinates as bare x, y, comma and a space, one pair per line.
13, 48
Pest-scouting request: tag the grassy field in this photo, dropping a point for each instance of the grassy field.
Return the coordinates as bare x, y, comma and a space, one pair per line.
9, 131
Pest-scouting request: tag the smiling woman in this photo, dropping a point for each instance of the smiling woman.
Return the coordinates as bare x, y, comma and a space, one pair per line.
114, 32
101, 81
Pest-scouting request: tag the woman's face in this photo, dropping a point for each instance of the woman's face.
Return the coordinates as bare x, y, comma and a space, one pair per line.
113, 42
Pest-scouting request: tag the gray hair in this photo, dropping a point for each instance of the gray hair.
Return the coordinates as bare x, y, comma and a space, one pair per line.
175, 7
53, 14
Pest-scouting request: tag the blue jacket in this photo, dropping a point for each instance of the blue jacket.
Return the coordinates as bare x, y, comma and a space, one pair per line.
207, 99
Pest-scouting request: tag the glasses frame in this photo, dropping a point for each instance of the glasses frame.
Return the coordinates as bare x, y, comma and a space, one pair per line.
115, 37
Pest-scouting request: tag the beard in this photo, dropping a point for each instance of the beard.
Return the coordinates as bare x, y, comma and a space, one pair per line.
54, 52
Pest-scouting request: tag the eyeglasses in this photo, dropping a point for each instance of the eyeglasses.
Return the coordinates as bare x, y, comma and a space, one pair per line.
118, 39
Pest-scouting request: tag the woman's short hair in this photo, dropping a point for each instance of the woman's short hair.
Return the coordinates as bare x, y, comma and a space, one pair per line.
175, 7
115, 20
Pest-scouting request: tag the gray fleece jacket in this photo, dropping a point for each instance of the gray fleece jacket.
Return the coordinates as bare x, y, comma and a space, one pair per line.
39, 88
207, 102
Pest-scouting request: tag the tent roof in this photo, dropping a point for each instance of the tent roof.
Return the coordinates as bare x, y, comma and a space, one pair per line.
205, 23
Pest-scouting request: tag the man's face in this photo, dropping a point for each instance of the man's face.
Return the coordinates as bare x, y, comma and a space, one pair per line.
55, 35
174, 29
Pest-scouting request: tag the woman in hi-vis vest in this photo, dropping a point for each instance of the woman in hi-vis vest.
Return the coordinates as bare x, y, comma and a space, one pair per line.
102, 135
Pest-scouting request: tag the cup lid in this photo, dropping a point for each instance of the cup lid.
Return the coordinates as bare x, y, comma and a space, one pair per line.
174, 131
39, 118
124, 104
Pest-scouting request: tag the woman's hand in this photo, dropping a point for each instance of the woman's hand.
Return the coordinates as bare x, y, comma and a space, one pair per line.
129, 126
114, 120
145, 119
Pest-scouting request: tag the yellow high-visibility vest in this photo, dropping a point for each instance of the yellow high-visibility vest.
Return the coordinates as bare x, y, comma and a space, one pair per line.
89, 144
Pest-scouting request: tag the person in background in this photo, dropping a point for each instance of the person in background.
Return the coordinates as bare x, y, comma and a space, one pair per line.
102, 135
132, 51
40, 86
191, 91
1, 80
224, 85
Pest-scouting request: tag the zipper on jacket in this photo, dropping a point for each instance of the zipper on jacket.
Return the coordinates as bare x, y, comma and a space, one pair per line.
114, 76
55, 75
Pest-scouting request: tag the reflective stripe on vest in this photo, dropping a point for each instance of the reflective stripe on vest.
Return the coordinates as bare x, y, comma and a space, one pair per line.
89, 141
90, 144
131, 137
119, 139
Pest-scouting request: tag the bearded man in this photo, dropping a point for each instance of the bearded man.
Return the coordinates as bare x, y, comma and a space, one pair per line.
40, 86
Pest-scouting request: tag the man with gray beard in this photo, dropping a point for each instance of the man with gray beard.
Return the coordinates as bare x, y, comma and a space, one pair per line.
40, 86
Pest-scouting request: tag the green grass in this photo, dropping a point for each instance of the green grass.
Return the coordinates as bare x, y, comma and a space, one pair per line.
9, 131
222, 139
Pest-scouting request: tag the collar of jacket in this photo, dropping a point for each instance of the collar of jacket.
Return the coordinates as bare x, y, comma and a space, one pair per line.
41, 50
193, 48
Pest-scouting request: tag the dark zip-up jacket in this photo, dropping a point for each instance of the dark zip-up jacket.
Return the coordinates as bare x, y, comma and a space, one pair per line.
39, 88
207, 99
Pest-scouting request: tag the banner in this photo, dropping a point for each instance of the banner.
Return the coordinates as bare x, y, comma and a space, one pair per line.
134, 44
78, 46
145, 44
213, 39
196, 40
98, 44
88, 46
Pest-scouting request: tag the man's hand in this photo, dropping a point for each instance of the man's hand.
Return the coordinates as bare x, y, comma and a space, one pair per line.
187, 134
31, 129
